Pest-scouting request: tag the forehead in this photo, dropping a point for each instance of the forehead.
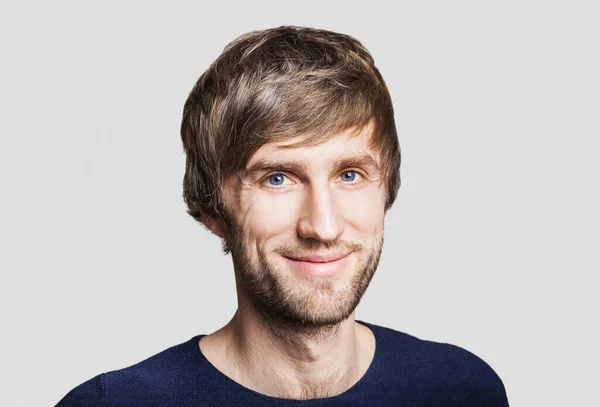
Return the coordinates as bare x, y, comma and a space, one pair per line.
348, 143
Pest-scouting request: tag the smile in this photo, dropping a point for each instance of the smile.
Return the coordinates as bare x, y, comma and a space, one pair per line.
321, 265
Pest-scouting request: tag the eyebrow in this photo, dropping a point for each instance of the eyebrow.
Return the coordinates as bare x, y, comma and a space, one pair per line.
266, 164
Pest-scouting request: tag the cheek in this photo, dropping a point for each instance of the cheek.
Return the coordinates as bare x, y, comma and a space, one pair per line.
363, 209
271, 214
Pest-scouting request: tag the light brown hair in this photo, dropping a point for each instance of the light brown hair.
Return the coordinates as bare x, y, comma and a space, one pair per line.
273, 85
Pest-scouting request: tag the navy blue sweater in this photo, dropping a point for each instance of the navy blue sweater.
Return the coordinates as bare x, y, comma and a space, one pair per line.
406, 371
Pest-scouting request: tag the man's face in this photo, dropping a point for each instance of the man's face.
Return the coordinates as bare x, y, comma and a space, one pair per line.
307, 227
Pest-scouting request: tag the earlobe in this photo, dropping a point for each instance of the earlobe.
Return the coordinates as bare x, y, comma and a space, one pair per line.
214, 225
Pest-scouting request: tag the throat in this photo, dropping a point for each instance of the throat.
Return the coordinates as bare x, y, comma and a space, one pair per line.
304, 366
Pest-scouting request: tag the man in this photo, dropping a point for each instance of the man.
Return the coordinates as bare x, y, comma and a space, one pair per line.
293, 161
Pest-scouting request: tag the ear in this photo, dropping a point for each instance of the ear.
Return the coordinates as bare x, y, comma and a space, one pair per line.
214, 225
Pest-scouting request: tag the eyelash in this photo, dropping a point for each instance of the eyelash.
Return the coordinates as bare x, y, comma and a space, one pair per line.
266, 179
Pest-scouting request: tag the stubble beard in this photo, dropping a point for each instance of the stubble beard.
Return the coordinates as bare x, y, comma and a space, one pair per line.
312, 311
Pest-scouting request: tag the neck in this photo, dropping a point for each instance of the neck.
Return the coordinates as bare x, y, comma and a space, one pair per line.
284, 359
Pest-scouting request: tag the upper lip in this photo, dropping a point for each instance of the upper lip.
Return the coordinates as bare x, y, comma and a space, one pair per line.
321, 257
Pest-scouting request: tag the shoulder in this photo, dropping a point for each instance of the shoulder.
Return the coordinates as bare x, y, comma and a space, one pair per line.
440, 369
157, 376
90, 394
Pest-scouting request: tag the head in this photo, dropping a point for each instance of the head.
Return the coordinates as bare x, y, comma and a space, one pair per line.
292, 151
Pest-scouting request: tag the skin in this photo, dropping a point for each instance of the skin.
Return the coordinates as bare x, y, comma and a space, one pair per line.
294, 334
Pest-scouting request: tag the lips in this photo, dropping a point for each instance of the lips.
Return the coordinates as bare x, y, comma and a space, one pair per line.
321, 265
320, 258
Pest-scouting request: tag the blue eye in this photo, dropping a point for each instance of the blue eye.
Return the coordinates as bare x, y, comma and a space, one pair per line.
349, 176
276, 179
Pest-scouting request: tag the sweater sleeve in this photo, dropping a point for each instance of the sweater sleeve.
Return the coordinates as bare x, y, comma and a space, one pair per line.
88, 394
489, 389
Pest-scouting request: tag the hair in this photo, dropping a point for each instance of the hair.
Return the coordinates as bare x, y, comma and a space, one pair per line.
277, 84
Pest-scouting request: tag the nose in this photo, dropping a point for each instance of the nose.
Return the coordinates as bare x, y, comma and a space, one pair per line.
321, 218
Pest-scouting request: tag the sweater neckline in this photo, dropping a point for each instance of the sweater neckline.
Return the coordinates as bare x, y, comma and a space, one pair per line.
356, 387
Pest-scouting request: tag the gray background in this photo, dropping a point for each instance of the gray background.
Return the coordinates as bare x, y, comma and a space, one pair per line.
491, 245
